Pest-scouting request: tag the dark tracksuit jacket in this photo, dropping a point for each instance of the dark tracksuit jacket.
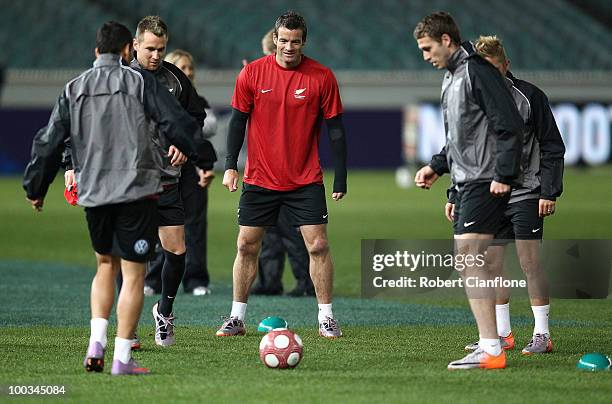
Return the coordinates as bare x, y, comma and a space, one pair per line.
543, 149
172, 78
194, 198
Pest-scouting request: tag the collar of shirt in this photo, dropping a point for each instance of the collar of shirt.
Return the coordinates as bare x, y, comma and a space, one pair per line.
107, 59
462, 53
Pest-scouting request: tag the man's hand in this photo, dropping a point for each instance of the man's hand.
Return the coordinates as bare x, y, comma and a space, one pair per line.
206, 177
230, 180
546, 207
425, 177
177, 158
449, 211
336, 196
498, 189
37, 204
69, 179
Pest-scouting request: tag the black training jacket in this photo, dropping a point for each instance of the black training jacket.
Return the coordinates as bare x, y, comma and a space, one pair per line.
172, 78
543, 148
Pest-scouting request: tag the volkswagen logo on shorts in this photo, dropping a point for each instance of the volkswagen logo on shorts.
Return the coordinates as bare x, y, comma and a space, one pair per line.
141, 247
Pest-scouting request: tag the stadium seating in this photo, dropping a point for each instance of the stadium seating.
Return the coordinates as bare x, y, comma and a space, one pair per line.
48, 33
360, 34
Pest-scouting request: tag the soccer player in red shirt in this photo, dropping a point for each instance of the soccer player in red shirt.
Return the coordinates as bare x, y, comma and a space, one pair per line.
284, 97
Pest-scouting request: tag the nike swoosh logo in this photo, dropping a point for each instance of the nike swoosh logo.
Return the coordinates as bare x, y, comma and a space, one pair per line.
265, 91
468, 224
536, 230
325, 216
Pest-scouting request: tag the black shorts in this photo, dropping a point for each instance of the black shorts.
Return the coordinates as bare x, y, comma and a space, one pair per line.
126, 230
260, 206
522, 221
170, 206
477, 211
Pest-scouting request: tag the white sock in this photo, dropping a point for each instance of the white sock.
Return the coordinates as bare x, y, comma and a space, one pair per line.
325, 310
123, 350
238, 310
502, 315
98, 331
540, 314
490, 346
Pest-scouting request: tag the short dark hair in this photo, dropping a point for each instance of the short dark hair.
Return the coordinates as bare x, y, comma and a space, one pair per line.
152, 23
112, 37
291, 20
435, 25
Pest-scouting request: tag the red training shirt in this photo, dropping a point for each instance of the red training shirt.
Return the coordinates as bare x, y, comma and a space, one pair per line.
285, 107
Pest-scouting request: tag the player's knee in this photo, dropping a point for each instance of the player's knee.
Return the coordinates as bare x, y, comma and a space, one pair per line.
247, 248
132, 281
177, 250
495, 266
319, 247
132, 271
176, 247
530, 265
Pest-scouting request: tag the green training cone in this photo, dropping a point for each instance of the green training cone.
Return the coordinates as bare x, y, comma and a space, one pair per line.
270, 323
594, 361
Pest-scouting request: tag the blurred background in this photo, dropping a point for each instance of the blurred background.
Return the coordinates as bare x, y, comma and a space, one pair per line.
389, 92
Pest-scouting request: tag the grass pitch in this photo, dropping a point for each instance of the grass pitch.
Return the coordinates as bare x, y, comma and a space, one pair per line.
394, 351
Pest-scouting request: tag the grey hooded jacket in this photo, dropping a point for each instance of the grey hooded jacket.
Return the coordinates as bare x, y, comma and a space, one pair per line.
106, 114
483, 126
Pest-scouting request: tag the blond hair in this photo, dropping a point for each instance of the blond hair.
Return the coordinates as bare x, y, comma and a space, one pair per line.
267, 43
174, 56
491, 46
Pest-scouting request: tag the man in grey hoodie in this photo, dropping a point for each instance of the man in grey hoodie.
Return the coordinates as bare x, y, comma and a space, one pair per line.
107, 115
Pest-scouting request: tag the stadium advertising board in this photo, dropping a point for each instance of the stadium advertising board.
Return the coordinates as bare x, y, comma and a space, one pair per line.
380, 139
586, 131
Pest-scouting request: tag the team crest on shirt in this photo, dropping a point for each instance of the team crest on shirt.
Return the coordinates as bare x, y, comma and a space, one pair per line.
141, 247
299, 93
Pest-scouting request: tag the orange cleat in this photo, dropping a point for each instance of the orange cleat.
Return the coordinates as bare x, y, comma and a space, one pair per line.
507, 344
479, 359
